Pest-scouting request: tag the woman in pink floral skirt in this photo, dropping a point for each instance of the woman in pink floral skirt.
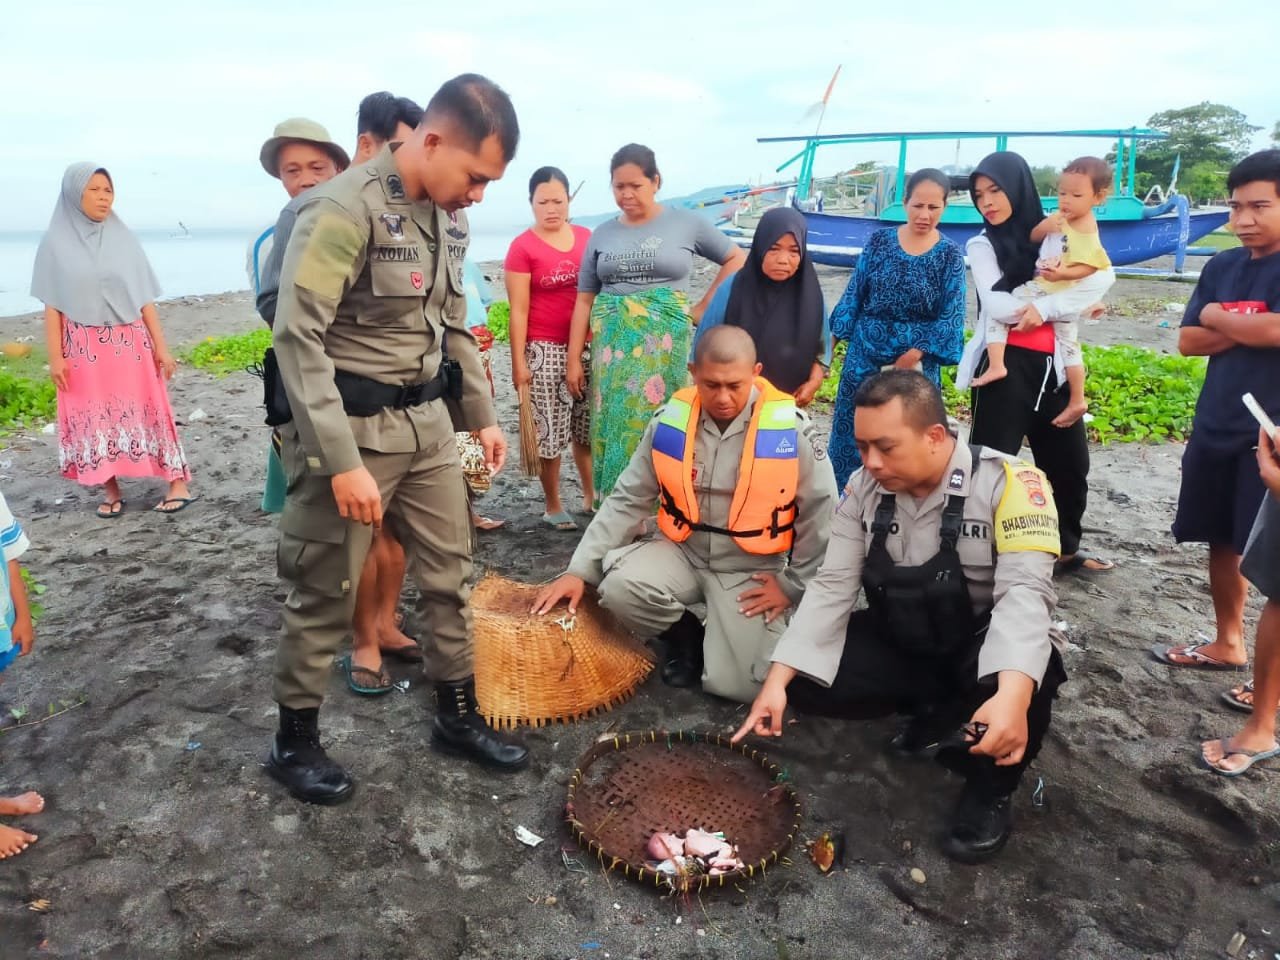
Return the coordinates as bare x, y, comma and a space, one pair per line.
107, 354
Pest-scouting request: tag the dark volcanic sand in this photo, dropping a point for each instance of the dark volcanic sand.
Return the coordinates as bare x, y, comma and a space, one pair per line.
153, 847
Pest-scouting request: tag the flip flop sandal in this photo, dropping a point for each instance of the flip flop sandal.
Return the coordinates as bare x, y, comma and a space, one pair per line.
183, 503
560, 521
1232, 699
1078, 564
112, 513
352, 671
488, 523
1251, 757
408, 653
1200, 661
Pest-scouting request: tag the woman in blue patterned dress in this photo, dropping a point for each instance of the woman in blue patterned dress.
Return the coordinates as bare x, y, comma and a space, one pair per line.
904, 307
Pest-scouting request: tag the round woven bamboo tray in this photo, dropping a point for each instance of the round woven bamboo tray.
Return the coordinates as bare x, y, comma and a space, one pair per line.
553, 668
628, 787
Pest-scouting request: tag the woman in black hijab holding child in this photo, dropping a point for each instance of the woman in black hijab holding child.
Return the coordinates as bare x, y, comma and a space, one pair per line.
1026, 402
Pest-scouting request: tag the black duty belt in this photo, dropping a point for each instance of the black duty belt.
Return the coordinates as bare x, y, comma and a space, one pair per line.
364, 397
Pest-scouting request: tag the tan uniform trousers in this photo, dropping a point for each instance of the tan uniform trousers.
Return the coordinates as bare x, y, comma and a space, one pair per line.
321, 556
650, 584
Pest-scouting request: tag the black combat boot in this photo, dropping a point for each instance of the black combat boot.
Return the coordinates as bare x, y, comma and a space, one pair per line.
459, 729
682, 663
299, 762
980, 824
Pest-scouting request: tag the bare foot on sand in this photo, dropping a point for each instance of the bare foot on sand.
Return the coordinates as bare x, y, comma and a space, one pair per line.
14, 841
1071, 413
992, 374
21, 805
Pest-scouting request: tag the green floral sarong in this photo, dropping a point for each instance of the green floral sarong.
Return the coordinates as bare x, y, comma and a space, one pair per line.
639, 357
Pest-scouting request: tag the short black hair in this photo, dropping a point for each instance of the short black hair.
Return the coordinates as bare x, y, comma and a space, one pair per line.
638, 154
480, 109
382, 112
921, 400
725, 343
1255, 168
546, 175
928, 175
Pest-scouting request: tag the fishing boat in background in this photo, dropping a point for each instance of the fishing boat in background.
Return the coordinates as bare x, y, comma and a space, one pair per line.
1131, 230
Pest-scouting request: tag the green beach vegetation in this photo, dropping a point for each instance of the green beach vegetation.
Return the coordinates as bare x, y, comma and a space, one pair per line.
27, 395
1134, 394
223, 355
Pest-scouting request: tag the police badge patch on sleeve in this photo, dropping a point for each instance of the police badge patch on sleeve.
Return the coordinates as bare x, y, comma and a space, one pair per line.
816, 443
1026, 518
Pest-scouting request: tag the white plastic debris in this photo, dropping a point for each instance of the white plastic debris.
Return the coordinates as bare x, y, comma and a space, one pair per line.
50, 429
527, 837
1173, 306
197, 414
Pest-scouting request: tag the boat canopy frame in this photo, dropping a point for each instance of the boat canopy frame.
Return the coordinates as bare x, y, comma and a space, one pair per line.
1125, 138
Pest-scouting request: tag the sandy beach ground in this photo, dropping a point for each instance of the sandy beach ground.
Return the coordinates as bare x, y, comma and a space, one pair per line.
163, 838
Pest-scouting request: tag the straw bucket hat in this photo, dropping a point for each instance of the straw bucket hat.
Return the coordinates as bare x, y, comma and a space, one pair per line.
554, 668
300, 130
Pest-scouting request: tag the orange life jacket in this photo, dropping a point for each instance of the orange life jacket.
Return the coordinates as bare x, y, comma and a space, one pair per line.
762, 516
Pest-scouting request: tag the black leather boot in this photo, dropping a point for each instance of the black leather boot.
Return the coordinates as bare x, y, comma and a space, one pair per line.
299, 762
682, 663
459, 729
980, 825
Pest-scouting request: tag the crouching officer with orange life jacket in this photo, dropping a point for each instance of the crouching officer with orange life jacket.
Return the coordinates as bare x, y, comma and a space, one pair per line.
743, 511
954, 547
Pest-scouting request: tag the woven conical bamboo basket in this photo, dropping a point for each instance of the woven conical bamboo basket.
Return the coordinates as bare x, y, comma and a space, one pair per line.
550, 669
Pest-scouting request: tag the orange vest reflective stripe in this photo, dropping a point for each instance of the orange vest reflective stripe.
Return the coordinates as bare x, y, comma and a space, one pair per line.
762, 515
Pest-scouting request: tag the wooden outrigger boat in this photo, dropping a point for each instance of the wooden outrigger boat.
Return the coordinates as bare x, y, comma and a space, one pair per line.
1131, 230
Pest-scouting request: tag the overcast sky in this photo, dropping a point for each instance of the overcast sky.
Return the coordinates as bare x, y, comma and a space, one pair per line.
176, 98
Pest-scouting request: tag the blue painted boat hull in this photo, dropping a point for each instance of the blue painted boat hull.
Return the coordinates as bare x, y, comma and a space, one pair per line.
837, 240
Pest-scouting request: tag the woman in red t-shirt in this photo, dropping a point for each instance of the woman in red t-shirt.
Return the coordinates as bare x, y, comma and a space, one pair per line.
542, 285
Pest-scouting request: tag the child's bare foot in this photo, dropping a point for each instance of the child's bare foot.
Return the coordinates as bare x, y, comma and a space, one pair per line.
993, 374
21, 805
1074, 410
14, 841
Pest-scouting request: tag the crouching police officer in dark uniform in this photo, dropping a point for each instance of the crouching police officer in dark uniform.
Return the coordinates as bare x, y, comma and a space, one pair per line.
954, 548
380, 369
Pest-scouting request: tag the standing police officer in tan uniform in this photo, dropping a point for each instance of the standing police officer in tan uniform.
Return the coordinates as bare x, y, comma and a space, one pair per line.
380, 370
954, 547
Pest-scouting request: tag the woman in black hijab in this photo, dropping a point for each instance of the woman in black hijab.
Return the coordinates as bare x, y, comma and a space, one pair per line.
1026, 402
776, 298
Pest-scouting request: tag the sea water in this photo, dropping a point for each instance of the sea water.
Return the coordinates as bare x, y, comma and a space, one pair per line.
203, 262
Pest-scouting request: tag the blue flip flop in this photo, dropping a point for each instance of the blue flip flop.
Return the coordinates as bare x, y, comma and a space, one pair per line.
1251, 757
350, 669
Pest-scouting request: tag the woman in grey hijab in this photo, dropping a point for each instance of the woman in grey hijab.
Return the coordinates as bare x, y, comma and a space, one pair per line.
107, 353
